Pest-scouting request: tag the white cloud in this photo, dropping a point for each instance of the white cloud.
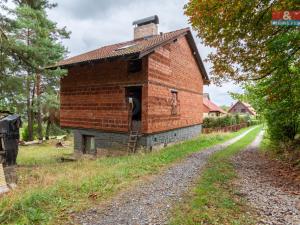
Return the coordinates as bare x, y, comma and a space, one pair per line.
219, 95
95, 23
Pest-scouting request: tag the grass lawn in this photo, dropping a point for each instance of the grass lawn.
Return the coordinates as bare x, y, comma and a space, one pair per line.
42, 154
214, 199
48, 190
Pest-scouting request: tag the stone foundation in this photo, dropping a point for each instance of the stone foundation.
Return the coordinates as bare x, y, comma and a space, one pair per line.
108, 141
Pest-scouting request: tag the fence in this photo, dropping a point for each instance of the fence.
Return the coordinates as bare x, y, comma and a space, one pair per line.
225, 129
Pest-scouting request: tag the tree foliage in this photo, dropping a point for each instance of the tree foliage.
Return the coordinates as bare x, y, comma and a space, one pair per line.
277, 99
30, 42
228, 120
247, 46
249, 50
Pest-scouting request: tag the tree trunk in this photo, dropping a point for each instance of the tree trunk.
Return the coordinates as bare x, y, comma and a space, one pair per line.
48, 129
39, 111
29, 110
29, 100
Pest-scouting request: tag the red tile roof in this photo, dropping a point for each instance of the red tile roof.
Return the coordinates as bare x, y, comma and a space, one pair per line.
139, 48
120, 49
212, 106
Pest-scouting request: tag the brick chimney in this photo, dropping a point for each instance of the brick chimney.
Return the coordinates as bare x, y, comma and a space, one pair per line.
146, 27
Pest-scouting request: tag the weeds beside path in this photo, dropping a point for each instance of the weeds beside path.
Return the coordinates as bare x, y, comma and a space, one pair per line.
214, 201
49, 193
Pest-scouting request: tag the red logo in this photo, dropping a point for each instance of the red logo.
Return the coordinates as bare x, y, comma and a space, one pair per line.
286, 15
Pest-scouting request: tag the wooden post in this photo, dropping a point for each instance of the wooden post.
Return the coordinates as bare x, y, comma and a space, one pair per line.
3, 184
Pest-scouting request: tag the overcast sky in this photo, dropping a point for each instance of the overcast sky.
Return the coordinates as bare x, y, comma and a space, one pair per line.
95, 23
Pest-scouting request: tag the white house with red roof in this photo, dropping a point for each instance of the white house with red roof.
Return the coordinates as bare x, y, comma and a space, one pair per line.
210, 109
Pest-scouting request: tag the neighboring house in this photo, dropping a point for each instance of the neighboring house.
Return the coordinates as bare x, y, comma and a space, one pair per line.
152, 84
242, 108
210, 109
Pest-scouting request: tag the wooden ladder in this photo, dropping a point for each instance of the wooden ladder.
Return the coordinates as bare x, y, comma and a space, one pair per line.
132, 142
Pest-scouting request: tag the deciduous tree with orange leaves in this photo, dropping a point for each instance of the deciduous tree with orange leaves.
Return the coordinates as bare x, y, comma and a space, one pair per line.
251, 51
247, 46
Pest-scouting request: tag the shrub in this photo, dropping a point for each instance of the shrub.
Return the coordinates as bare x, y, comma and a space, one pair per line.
54, 131
228, 120
25, 133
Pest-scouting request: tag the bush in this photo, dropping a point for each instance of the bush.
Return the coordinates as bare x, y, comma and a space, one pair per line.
254, 122
57, 131
228, 120
25, 133
54, 131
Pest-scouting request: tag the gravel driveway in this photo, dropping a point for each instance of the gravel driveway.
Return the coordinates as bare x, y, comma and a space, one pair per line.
273, 204
149, 202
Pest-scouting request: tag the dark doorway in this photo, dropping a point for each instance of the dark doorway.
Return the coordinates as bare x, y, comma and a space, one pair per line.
89, 145
134, 98
135, 93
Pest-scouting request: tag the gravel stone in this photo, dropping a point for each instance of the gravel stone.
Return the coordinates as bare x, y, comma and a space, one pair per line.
150, 202
273, 205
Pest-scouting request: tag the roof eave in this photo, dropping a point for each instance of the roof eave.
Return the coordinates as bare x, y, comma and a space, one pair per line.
218, 111
151, 49
141, 54
232, 106
198, 57
130, 56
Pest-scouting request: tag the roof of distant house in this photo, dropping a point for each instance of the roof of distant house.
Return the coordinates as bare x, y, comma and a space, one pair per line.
212, 106
247, 106
135, 49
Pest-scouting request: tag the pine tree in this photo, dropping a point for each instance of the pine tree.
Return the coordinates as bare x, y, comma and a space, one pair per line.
11, 87
34, 42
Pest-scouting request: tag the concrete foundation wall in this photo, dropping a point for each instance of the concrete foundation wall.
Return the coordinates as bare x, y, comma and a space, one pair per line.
162, 139
110, 140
